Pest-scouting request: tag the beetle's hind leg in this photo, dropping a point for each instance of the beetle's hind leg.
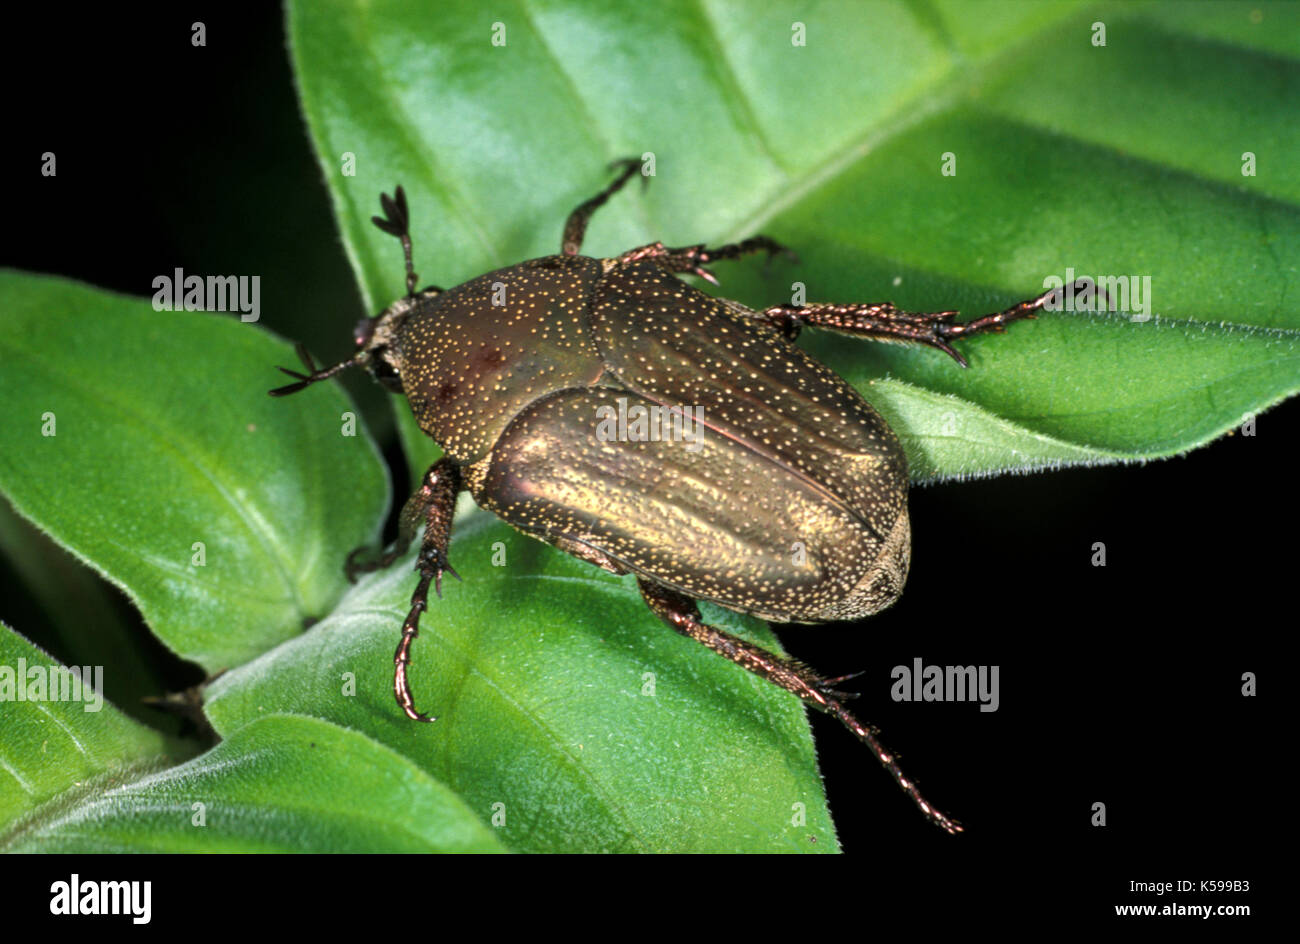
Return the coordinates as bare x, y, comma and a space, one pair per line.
575, 228
693, 259
883, 322
433, 505
683, 615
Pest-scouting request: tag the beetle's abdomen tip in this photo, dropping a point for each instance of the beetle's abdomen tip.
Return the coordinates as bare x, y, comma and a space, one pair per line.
882, 585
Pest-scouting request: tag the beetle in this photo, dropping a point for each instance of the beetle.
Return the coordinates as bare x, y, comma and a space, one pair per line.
511, 372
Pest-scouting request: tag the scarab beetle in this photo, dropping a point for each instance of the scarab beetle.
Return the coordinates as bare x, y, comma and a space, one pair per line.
790, 505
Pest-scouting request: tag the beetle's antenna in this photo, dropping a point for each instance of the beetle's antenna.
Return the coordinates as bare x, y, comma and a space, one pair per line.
396, 221
315, 373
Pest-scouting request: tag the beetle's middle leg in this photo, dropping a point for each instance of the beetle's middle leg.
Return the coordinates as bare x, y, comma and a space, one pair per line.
681, 613
883, 322
693, 259
433, 505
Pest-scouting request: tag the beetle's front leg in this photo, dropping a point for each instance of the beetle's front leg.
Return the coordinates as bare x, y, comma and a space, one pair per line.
692, 259
883, 322
433, 505
575, 227
683, 615
442, 475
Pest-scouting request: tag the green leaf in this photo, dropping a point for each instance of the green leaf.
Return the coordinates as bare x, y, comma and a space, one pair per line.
65, 738
280, 784
132, 435
1117, 160
79, 613
1107, 386
562, 706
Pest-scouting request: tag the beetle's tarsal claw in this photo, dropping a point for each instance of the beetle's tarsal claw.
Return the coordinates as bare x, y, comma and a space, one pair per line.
433, 562
445, 568
951, 352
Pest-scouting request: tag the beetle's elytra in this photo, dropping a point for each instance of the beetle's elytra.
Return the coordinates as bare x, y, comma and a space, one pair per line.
791, 505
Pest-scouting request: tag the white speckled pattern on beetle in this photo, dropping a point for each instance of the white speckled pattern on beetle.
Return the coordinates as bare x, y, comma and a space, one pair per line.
791, 453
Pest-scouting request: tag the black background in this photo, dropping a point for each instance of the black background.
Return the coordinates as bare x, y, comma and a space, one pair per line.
1118, 684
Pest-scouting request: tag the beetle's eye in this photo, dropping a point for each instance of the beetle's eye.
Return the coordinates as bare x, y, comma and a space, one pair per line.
385, 372
364, 331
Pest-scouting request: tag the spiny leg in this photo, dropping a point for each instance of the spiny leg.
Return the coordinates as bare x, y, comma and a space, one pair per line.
433, 505
693, 258
884, 322
576, 225
683, 615
441, 476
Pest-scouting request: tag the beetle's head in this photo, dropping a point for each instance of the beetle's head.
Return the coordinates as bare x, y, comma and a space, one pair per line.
376, 348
